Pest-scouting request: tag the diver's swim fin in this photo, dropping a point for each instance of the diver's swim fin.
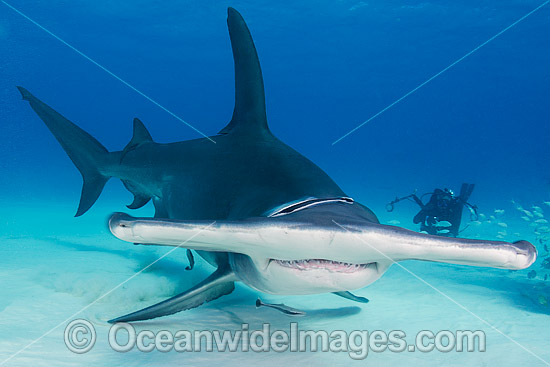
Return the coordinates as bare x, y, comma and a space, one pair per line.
465, 191
218, 284
352, 296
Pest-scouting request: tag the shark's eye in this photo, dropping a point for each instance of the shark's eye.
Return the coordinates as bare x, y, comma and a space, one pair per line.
308, 203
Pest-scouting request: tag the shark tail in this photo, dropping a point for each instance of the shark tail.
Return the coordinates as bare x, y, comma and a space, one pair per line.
88, 155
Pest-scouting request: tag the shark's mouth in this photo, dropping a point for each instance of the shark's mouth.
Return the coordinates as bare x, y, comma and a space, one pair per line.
321, 264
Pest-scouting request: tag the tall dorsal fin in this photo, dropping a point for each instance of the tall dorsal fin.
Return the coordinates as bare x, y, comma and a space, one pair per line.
249, 114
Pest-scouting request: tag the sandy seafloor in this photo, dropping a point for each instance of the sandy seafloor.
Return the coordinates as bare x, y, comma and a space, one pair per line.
55, 265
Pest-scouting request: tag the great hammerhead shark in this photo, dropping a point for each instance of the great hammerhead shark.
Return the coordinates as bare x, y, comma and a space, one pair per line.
253, 207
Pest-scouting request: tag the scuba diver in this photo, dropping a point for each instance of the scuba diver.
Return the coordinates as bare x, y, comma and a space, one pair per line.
442, 214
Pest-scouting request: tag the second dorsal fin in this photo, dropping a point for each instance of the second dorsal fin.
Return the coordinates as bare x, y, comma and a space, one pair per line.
249, 114
140, 136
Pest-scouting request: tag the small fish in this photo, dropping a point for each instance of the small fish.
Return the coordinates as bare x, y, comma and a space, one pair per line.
482, 216
544, 229
492, 217
443, 223
503, 233
499, 212
525, 218
547, 203
518, 207
476, 223
394, 222
502, 224
528, 213
443, 231
536, 208
281, 307
538, 215
541, 221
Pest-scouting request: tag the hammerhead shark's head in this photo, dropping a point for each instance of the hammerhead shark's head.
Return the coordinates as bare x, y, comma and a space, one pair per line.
252, 206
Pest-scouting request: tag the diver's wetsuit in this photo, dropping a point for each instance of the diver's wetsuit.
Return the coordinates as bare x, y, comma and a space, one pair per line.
443, 206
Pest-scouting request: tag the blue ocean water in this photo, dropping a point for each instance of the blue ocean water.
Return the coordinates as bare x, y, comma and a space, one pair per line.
328, 66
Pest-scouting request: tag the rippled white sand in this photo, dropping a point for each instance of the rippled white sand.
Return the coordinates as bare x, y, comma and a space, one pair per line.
52, 266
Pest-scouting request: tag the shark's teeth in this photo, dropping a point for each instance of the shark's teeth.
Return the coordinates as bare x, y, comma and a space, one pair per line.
314, 264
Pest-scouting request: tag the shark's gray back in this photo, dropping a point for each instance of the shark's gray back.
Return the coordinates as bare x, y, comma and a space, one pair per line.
236, 178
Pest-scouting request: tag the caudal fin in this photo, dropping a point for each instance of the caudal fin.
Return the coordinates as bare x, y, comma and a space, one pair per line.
88, 155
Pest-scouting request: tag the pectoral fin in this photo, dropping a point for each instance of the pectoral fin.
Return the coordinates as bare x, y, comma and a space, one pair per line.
220, 283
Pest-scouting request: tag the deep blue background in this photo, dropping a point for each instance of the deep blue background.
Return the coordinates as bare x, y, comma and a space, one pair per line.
328, 66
